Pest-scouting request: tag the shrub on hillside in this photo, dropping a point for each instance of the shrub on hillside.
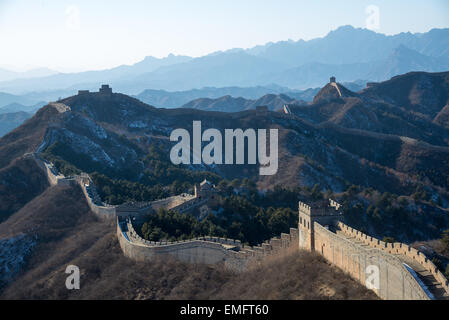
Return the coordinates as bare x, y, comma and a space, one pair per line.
445, 240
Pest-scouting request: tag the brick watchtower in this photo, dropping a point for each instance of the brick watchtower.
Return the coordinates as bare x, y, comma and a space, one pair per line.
105, 89
325, 212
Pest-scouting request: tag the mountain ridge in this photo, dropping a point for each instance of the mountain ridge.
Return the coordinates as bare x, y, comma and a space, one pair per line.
230, 104
93, 124
339, 51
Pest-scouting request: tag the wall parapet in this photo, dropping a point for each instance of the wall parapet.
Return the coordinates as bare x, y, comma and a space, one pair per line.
237, 256
400, 249
182, 203
231, 252
395, 281
303, 207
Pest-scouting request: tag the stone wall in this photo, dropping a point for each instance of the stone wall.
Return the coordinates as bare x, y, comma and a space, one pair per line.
395, 281
53, 177
183, 203
209, 250
100, 210
397, 248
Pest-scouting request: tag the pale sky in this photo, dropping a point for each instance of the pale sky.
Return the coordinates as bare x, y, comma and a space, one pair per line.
88, 35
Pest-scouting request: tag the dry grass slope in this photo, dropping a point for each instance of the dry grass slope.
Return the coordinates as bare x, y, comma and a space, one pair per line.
69, 233
299, 275
21, 181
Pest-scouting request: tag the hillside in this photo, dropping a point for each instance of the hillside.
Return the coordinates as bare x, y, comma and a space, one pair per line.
419, 92
340, 145
94, 137
410, 105
22, 180
75, 236
28, 137
115, 132
387, 183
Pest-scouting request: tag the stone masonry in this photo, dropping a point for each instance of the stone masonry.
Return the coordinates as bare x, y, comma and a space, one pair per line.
393, 271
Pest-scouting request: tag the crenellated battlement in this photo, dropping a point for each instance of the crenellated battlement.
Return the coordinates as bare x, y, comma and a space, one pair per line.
304, 208
399, 249
207, 249
183, 203
320, 229
327, 207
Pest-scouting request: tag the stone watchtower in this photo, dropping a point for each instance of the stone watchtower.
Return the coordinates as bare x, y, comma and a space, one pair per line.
205, 190
333, 80
105, 90
325, 212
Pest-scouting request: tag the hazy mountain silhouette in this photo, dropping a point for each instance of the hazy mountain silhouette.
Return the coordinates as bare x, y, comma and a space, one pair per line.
9, 121
401, 60
348, 53
167, 99
90, 79
16, 107
230, 104
6, 75
347, 45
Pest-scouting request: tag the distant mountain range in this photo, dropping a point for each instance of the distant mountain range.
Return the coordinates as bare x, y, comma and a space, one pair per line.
348, 53
9, 121
14, 114
176, 99
7, 75
349, 45
401, 60
7, 99
235, 103
89, 79
230, 104
16, 107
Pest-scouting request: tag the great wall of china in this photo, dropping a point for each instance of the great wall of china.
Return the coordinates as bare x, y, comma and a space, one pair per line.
402, 272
